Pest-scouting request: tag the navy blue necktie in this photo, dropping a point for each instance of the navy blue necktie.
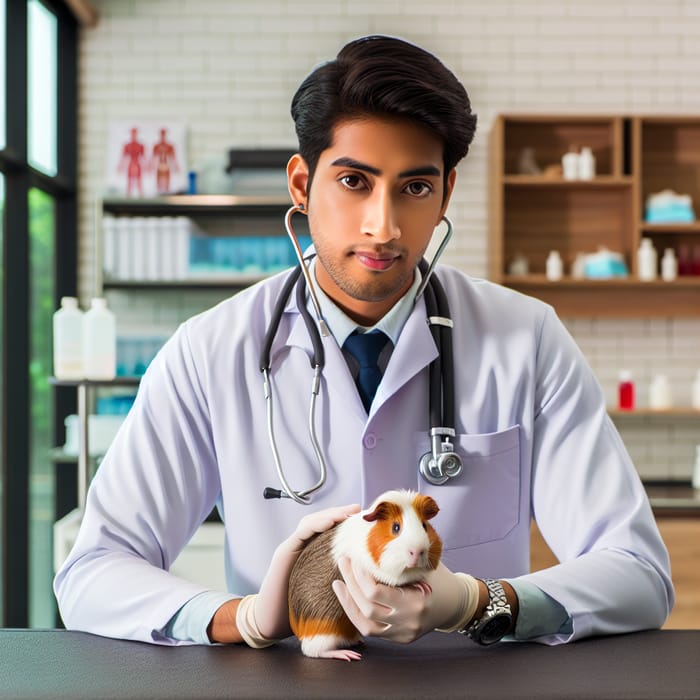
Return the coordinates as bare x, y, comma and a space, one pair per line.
365, 348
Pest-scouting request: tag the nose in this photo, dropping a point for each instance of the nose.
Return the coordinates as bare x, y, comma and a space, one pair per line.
381, 216
415, 556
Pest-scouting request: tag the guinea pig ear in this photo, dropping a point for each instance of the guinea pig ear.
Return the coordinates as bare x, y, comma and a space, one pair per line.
426, 506
381, 512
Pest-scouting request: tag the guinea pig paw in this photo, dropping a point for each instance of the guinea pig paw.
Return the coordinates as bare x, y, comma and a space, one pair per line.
342, 654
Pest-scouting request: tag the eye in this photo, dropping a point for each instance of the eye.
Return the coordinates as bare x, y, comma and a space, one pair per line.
352, 182
396, 528
425, 527
418, 188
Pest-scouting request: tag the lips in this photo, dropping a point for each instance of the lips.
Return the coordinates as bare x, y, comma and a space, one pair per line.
377, 261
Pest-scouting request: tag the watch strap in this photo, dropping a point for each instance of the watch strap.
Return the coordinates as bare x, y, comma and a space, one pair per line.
498, 606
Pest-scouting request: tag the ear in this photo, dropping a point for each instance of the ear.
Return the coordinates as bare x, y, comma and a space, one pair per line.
298, 179
426, 507
385, 510
449, 187
378, 513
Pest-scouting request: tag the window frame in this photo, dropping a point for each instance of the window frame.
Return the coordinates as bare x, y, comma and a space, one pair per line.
19, 178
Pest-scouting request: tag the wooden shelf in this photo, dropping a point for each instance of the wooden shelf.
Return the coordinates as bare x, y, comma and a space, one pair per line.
533, 214
613, 298
545, 182
612, 283
673, 498
660, 228
669, 413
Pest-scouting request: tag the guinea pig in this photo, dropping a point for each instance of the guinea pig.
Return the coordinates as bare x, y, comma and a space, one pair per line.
392, 540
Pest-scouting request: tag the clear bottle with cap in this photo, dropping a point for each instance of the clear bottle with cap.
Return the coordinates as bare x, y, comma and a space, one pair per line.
99, 341
660, 395
68, 340
554, 266
625, 391
647, 261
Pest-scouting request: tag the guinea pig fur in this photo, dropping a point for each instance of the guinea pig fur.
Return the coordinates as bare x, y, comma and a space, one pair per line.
392, 540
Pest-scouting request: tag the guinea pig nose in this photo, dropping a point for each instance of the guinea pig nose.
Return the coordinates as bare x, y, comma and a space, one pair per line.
415, 555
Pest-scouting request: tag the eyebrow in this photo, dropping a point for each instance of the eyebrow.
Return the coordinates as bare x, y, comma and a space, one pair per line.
413, 172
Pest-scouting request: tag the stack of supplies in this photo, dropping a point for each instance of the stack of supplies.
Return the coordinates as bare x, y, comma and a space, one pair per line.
669, 207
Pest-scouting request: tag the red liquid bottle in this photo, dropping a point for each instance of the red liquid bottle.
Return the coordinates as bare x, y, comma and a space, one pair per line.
625, 392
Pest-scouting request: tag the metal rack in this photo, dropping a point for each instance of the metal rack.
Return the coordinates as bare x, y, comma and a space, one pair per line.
82, 386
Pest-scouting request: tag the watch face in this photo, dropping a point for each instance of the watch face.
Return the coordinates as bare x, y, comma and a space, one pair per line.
495, 628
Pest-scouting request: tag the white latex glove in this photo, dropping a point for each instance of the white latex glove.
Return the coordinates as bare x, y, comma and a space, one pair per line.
444, 601
264, 617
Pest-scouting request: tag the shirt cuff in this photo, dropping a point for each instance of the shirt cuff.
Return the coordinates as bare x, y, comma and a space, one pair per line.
539, 614
190, 622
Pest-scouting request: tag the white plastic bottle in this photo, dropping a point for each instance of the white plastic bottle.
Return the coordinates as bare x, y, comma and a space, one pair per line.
695, 399
586, 164
554, 266
660, 396
569, 164
99, 341
647, 261
68, 340
669, 265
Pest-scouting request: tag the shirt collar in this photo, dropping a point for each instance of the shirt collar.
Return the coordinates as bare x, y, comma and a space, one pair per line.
341, 325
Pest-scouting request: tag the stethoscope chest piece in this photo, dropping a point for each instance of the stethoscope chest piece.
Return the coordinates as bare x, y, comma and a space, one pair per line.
442, 462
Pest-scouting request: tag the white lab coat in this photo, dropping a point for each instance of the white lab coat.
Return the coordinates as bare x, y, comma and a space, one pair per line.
532, 428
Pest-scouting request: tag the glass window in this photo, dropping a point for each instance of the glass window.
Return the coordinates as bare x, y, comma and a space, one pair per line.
42, 83
42, 221
2, 388
3, 76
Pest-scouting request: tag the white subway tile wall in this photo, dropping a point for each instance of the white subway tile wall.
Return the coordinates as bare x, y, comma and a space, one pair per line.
229, 70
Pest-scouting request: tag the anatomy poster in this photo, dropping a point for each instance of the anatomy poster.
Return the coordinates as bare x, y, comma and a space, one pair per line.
146, 159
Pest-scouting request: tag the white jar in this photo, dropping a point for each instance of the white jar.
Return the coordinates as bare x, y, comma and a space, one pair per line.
569, 165
554, 266
647, 261
68, 340
99, 341
695, 399
669, 265
586, 164
660, 396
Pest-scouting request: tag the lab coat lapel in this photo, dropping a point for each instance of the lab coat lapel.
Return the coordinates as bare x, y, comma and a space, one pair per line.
415, 350
336, 374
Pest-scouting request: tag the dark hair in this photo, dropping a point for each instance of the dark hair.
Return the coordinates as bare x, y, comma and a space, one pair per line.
383, 76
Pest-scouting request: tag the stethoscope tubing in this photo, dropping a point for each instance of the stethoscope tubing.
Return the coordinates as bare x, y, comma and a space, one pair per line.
441, 369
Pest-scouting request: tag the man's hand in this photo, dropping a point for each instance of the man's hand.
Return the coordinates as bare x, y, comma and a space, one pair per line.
262, 618
443, 601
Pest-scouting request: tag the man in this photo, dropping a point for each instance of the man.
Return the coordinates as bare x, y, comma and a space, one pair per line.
381, 129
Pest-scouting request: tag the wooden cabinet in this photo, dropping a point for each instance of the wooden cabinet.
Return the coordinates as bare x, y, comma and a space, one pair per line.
534, 213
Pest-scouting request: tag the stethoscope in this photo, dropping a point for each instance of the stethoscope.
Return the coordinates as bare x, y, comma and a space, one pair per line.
436, 466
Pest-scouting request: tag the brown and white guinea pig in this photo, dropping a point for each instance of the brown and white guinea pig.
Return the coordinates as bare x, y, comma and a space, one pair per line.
392, 540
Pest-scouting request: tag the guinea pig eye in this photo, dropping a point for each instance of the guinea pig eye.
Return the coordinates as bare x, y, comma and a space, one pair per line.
425, 527
396, 528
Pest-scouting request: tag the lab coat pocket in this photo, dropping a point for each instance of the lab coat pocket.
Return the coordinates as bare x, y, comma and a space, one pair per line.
482, 504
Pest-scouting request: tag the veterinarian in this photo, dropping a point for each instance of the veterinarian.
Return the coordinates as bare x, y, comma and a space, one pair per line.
525, 433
